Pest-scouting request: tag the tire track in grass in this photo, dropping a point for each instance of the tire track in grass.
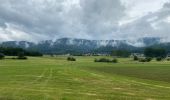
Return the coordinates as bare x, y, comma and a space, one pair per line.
147, 84
44, 85
154, 86
34, 81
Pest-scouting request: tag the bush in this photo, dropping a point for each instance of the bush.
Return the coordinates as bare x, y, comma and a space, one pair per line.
106, 60
135, 58
2, 56
168, 59
102, 60
147, 59
142, 60
21, 56
114, 60
159, 59
71, 59
95, 60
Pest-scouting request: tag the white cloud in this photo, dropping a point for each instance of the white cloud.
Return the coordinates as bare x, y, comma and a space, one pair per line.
167, 19
36, 20
138, 8
13, 33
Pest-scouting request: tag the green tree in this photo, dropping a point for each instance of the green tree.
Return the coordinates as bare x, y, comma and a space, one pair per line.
120, 53
135, 58
155, 52
2, 56
21, 55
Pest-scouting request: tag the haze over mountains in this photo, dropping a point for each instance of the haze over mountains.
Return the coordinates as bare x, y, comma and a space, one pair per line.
70, 45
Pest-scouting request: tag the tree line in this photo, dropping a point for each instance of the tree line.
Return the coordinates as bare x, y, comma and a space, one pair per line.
155, 52
121, 53
11, 51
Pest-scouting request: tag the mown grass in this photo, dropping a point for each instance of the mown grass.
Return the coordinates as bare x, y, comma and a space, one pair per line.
56, 78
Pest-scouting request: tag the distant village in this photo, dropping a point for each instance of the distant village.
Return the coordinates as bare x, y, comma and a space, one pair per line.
140, 55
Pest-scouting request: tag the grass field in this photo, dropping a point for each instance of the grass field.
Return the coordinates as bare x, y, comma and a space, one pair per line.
56, 78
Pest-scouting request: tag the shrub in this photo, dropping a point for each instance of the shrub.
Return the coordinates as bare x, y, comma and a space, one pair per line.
95, 60
2, 56
21, 56
106, 60
159, 59
102, 60
71, 59
148, 59
142, 60
168, 59
135, 58
114, 60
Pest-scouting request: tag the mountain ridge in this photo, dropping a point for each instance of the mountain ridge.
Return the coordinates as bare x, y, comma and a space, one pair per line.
68, 45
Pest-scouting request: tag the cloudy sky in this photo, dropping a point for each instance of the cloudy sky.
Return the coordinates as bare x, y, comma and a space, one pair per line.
36, 20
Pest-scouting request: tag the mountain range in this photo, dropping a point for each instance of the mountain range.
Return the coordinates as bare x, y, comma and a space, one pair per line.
70, 45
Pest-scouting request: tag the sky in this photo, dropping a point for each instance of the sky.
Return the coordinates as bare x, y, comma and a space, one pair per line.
37, 20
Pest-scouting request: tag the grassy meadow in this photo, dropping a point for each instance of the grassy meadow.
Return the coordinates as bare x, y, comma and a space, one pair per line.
55, 78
